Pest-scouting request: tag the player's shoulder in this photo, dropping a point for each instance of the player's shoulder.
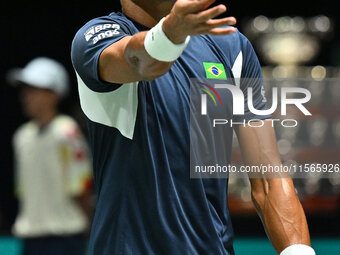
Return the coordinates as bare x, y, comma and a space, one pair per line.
64, 127
93, 37
115, 21
233, 43
63, 119
23, 132
112, 17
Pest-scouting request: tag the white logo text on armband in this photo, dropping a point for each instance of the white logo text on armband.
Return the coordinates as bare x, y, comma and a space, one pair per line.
96, 33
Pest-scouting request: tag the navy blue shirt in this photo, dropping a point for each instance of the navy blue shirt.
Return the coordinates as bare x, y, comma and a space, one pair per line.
139, 135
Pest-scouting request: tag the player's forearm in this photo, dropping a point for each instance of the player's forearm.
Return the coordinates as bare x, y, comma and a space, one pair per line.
274, 198
281, 213
141, 62
127, 61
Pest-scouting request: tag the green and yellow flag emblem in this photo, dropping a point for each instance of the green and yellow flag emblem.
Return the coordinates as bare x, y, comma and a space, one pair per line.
215, 71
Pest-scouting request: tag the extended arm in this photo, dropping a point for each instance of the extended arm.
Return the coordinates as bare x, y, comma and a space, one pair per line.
127, 60
274, 198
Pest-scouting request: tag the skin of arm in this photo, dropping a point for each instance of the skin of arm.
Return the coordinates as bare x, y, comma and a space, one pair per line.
127, 60
275, 199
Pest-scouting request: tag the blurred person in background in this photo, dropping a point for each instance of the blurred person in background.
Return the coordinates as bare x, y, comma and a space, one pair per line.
53, 169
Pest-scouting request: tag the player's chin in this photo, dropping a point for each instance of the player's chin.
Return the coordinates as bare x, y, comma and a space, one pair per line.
30, 112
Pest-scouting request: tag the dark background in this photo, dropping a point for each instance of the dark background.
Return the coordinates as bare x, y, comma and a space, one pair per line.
30, 29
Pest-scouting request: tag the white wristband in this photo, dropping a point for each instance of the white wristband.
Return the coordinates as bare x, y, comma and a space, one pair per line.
158, 45
298, 249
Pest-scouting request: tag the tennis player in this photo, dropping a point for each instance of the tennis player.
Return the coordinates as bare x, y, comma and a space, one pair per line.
134, 69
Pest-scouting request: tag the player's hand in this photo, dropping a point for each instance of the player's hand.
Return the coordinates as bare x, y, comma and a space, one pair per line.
193, 17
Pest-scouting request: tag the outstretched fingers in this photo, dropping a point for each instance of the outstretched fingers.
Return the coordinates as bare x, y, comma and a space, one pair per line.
216, 25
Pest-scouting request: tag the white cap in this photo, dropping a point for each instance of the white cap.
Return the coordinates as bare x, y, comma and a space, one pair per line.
42, 72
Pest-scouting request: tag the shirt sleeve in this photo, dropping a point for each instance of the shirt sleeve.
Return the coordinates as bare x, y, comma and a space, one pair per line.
251, 76
76, 159
89, 42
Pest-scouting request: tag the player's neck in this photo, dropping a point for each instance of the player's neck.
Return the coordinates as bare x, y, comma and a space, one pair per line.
46, 117
137, 14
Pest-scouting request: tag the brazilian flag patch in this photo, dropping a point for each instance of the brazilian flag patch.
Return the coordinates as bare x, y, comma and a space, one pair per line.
215, 71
